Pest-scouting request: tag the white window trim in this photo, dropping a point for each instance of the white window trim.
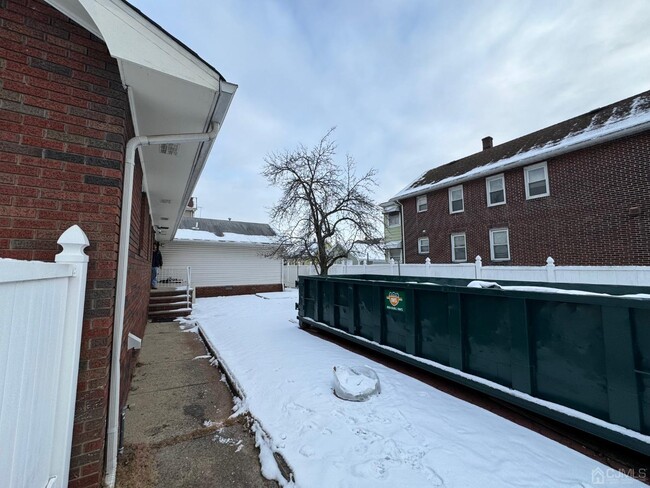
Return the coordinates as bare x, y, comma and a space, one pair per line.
420, 239
453, 248
527, 169
492, 231
399, 221
462, 199
487, 189
417, 203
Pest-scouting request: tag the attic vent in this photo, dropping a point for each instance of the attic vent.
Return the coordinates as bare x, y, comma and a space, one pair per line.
164, 218
171, 149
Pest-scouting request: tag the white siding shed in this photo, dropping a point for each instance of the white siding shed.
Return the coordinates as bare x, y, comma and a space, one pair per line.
224, 263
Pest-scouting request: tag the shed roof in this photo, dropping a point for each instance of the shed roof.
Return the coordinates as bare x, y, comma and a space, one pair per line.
615, 120
214, 230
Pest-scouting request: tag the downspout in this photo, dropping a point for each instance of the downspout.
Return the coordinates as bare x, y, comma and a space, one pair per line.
112, 433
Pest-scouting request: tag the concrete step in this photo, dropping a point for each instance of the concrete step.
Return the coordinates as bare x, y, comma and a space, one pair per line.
175, 305
167, 292
167, 315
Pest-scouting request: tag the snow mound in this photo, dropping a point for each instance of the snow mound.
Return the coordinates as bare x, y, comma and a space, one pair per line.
483, 284
356, 384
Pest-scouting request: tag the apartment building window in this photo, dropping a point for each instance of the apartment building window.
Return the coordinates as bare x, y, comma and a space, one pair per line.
456, 204
421, 203
495, 186
423, 245
536, 179
393, 220
458, 248
499, 245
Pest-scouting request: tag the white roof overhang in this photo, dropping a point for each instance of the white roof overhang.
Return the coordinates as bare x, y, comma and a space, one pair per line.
171, 91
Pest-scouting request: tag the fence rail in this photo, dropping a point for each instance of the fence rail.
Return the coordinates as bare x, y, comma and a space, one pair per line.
549, 272
41, 313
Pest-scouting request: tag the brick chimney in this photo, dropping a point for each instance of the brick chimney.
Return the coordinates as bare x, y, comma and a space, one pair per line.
487, 142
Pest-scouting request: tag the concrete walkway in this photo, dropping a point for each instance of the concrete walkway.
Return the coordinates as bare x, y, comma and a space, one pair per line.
177, 430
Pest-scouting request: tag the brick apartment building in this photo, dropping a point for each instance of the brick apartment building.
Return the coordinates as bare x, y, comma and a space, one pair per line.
79, 79
578, 191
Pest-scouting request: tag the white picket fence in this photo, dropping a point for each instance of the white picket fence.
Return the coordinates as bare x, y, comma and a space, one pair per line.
41, 314
550, 273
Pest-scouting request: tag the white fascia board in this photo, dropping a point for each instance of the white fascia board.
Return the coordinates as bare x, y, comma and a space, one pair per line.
525, 159
132, 37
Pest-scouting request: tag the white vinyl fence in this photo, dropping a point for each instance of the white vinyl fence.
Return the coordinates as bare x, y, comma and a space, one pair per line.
41, 313
550, 273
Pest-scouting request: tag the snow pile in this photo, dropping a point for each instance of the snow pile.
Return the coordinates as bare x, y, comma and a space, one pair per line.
356, 384
546, 289
410, 435
483, 284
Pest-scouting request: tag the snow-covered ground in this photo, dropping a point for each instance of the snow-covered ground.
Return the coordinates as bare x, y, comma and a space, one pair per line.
411, 435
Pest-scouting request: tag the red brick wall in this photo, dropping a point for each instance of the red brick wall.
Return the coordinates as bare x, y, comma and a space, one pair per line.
63, 127
586, 220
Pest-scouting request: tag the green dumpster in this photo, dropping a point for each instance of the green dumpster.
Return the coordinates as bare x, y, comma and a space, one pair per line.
543, 350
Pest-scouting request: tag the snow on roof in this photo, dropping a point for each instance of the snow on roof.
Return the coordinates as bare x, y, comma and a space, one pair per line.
214, 230
607, 122
203, 235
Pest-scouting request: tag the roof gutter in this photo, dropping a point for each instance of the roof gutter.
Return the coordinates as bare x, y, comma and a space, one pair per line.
112, 434
551, 153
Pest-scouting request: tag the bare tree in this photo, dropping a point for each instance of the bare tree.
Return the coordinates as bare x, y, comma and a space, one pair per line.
324, 208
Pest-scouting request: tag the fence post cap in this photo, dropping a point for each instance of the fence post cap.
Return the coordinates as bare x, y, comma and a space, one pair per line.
550, 261
478, 259
427, 261
73, 241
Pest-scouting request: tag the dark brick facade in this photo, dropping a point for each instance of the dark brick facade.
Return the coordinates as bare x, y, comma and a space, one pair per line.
598, 212
64, 123
223, 291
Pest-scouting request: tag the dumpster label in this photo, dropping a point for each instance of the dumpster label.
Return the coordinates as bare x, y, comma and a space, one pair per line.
395, 301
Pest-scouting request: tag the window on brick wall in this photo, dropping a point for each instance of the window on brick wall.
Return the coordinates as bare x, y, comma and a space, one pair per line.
499, 245
495, 186
458, 248
456, 203
536, 179
423, 245
393, 219
421, 203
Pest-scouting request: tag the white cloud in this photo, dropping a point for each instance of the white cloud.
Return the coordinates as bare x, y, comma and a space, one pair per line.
410, 85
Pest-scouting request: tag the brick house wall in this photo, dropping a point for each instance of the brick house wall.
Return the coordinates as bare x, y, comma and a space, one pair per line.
63, 125
589, 218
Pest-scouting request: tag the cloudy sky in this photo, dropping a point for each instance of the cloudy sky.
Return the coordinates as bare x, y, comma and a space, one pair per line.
409, 84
